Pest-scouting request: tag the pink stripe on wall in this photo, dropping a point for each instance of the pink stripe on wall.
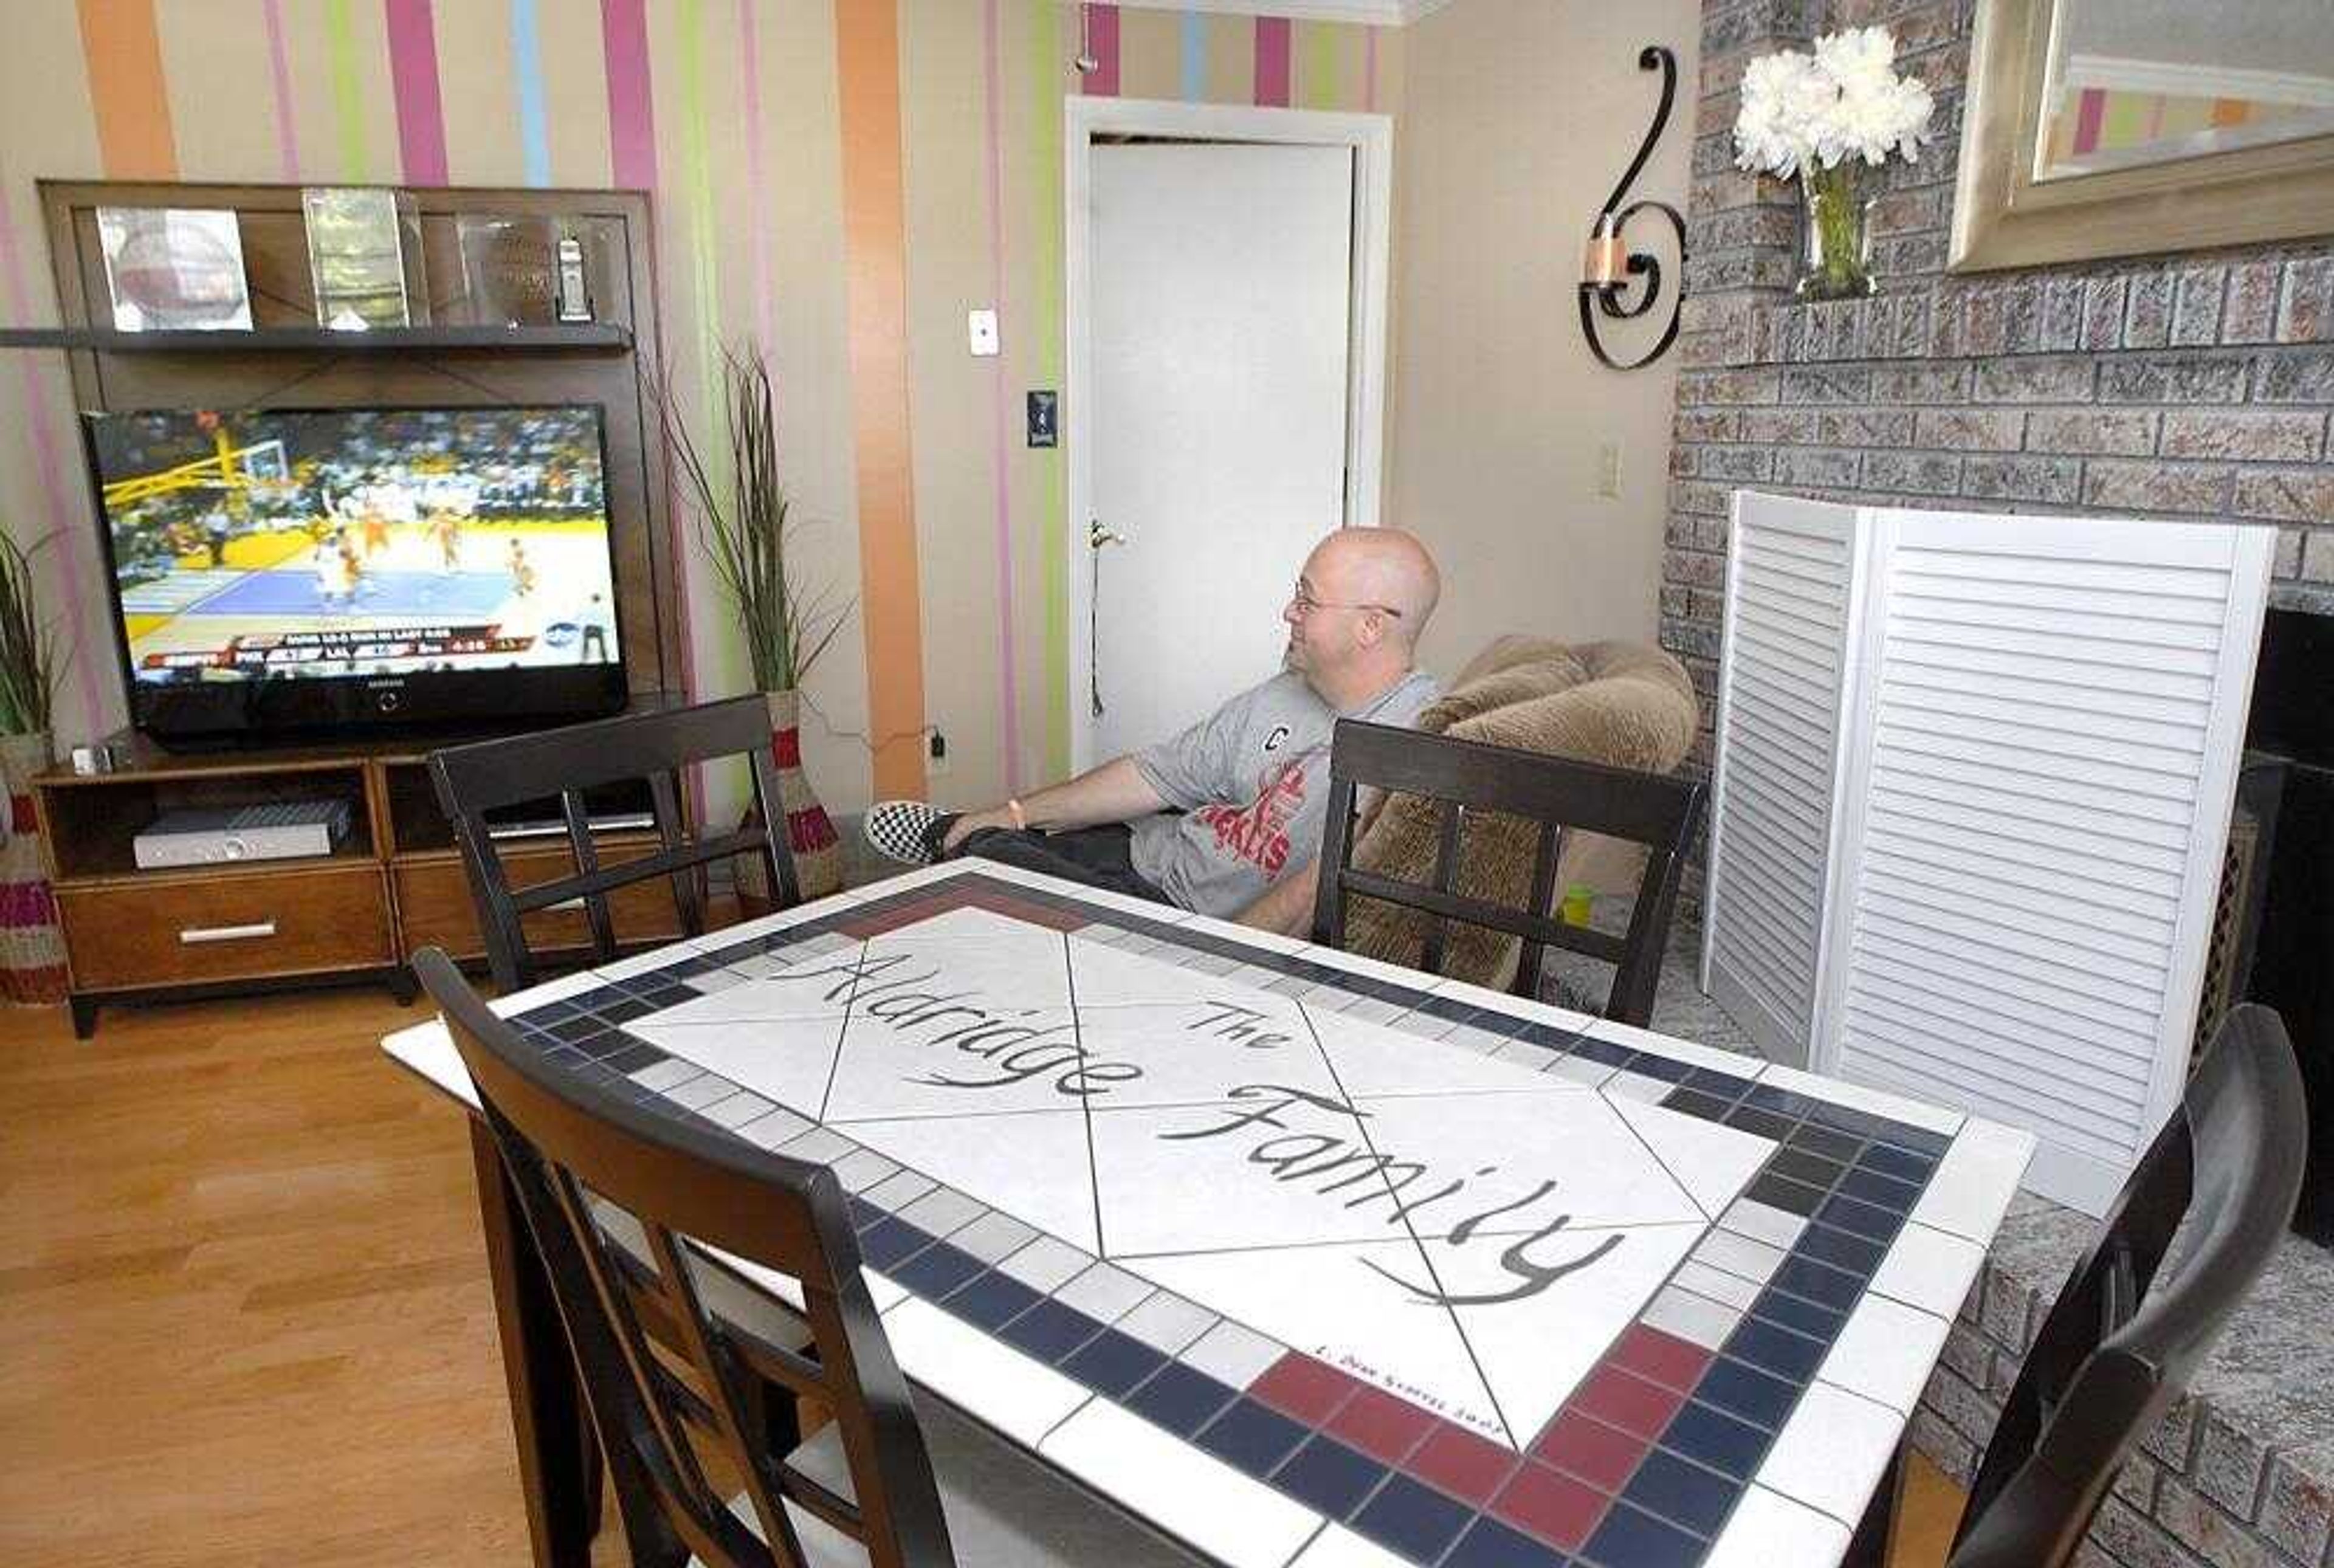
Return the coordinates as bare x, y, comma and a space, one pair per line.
279, 72
632, 166
1102, 38
631, 116
413, 78
1272, 61
1000, 394
2090, 110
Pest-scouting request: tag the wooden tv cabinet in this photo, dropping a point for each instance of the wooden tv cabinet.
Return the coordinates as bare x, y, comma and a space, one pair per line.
393, 885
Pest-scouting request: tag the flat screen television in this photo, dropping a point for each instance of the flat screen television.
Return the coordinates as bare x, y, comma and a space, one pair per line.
295, 571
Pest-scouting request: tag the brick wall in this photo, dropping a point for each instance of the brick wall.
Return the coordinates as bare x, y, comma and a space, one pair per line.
2206, 1490
2190, 386
2199, 385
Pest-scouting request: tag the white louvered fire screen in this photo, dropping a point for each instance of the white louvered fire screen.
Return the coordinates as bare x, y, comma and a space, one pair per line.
2018, 831
1785, 645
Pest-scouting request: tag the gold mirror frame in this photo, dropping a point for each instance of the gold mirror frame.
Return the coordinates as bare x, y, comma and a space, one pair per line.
2003, 219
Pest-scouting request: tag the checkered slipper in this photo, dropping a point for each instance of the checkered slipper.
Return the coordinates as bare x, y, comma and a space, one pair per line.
902, 830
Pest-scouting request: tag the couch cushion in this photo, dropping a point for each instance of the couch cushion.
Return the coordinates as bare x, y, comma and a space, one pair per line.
1635, 709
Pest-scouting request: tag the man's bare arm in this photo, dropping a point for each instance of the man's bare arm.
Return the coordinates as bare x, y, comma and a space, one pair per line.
1287, 905
1116, 792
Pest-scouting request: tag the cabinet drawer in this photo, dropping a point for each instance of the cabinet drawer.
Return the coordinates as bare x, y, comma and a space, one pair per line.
434, 906
227, 927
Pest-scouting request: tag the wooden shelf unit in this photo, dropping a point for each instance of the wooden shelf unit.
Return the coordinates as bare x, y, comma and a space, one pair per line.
393, 885
591, 337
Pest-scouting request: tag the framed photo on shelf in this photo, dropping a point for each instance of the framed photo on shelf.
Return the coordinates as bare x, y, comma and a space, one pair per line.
174, 269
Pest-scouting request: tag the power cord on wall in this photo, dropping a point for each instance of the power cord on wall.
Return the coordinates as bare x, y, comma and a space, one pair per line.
873, 744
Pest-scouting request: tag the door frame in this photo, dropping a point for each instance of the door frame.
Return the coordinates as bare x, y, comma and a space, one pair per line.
1370, 139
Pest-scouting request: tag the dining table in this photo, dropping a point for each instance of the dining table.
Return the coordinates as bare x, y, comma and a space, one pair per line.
1304, 1259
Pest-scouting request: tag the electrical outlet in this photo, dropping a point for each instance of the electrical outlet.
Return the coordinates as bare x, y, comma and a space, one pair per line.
936, 756
1608, 471
980, 329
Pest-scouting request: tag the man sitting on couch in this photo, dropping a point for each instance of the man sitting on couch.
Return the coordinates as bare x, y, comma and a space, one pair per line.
1225, 819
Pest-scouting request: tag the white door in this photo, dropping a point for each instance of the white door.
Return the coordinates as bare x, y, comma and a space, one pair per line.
1221, 285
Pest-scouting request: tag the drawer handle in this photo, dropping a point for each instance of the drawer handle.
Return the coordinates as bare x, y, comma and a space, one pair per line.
196, 935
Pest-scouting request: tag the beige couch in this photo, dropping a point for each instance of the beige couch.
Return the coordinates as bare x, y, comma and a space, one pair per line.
1621, 704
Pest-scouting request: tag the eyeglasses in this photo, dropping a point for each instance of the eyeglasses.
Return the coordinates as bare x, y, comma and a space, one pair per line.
1307, 604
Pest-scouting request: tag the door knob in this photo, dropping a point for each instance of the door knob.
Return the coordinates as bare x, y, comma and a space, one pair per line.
1097, 536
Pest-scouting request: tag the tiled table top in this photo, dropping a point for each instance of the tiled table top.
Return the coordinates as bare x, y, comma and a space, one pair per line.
1317, 1262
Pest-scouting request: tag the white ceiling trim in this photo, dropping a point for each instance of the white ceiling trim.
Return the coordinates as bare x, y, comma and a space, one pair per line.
1377, 13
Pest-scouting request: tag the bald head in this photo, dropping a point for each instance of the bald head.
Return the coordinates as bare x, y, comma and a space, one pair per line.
1361, 602
1384, 567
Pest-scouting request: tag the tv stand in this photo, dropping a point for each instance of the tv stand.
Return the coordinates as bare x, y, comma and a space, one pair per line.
393, 885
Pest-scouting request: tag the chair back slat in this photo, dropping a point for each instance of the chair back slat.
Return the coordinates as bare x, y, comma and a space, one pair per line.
1470, 781
688, 885
1541, 900
587, 866
474, 781
2128, 1331
1446, 877
665, 1378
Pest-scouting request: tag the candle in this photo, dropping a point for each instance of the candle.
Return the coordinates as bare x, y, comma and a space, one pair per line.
1608, 260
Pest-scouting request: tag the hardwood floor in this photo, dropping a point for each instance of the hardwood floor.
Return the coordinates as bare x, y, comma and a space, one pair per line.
244, 1315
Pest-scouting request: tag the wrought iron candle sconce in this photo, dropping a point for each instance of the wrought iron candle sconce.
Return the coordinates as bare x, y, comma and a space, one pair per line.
1610, 264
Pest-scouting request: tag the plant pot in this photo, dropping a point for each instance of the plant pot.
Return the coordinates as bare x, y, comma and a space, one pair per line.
1836, 264
810, 834
32, 943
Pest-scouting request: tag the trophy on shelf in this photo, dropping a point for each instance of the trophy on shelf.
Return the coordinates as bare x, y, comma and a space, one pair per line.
364, 257
522, 270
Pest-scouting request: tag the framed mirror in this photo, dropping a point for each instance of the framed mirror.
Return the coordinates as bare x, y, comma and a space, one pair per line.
2102, 127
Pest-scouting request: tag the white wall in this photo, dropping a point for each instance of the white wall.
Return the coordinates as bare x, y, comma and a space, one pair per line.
1518, 115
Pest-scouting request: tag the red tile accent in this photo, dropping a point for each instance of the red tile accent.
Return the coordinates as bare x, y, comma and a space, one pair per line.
1596, 1453
906, 915
1381, 1425
1664, 1358
1040, 914
1462, 1463
1303, 1389
1627, 1400
1556, 1509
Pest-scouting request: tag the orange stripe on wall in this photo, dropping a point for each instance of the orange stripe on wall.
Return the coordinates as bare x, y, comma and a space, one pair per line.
124, 56
876, 245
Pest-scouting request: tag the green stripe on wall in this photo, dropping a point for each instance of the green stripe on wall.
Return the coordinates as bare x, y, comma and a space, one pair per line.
347, 92
1321, 66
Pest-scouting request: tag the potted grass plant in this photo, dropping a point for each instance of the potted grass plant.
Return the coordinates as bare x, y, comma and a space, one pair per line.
32, 948
744, 524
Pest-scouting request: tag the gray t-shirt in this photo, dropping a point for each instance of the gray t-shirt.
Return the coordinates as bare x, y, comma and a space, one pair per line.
1252, 780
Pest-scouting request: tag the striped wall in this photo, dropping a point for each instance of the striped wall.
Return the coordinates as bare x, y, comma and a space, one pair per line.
840, 179
2093, 120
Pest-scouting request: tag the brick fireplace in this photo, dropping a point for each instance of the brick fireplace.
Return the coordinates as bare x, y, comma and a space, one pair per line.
2191, 386
2195, 386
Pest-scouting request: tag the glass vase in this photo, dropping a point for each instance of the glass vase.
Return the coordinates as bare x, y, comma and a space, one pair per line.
1836, 264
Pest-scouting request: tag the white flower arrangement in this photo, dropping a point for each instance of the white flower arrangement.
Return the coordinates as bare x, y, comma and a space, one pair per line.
1802, 113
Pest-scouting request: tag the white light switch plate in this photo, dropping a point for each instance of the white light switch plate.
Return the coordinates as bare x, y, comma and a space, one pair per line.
1608, 469
980, 327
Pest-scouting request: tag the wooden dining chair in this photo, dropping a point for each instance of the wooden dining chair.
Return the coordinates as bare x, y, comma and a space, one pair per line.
475, 781
2124, 1337
670, 1380
1555, 795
